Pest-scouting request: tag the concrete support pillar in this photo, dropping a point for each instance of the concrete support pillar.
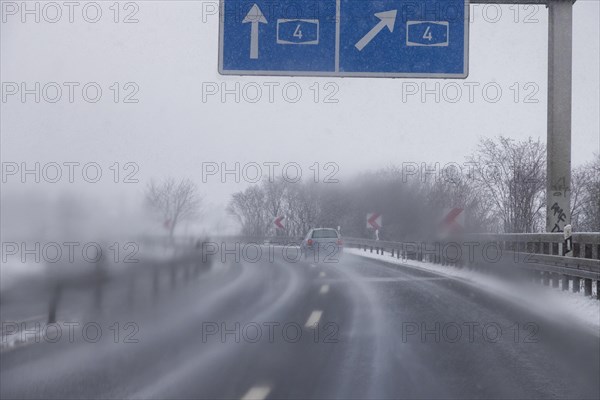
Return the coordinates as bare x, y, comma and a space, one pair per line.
560, 49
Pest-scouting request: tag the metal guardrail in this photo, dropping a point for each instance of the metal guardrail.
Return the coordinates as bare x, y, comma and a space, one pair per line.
94, 277
538, 254
535, 254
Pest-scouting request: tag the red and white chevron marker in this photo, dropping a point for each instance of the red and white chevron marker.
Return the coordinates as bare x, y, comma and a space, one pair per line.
454, 220
374, 221
278, 223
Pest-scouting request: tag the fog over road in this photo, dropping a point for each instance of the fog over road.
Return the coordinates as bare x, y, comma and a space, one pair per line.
358, 328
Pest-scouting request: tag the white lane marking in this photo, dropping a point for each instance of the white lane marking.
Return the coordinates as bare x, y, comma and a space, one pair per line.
324, 289
321, 274
312, 265
257, 393
314, 319
332, 280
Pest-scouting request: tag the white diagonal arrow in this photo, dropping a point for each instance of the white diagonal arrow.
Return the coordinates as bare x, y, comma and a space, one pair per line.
386, 18
254, 16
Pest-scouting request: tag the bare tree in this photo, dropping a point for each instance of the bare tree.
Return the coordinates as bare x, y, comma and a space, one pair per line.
274, 199
302, 205
175, 201
446, 193
249, 207
511, 175
585, 197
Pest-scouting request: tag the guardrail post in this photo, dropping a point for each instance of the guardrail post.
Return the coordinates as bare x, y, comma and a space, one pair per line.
173, 276
587, 287
155, 283
554, 280
576, 284
371, 249
54, 299
130, 289
598, 290
196, 267
98, 293
540, 277
392, 252
565, 282
546, 278
595, 251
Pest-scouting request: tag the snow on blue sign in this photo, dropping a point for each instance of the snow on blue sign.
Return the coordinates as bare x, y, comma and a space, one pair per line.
383, 38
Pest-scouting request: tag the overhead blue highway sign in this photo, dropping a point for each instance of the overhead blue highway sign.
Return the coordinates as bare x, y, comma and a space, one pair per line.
383, 38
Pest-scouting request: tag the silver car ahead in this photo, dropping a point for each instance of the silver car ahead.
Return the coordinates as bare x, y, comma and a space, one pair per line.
322, 245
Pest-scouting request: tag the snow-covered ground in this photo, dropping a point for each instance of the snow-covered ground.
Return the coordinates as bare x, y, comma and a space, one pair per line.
544, 300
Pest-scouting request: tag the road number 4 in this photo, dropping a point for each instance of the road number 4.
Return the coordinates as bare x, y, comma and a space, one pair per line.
427, 34
298, 32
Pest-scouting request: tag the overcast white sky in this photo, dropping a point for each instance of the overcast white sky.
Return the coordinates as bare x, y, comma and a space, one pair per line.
171, 52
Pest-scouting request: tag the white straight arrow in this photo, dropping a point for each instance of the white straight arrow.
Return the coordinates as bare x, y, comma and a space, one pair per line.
386, 18
254, 16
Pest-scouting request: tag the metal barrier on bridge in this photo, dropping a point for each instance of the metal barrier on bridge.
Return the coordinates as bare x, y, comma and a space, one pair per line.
540, 255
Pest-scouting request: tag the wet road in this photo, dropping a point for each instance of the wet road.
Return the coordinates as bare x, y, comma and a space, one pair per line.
273, 328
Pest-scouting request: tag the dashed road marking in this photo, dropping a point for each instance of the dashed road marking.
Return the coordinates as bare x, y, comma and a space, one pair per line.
324, 289
257, 393
313, 265
321, 274
313, 319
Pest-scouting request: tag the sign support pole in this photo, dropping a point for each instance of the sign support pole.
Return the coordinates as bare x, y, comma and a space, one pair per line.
560, 54
560, 62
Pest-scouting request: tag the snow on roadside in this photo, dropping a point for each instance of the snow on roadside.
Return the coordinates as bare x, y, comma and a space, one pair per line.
541, 299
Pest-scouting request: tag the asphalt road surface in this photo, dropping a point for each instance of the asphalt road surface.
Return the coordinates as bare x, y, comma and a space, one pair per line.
278, 329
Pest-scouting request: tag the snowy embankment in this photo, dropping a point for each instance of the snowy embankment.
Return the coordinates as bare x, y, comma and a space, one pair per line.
549, 302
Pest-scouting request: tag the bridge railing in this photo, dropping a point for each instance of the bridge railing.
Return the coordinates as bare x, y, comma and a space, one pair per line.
91, 277
538, 255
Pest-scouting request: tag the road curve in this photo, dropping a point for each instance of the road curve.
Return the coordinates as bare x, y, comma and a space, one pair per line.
275, 328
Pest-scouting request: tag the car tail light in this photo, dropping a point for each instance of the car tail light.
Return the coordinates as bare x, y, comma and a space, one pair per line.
340, 243
309, 242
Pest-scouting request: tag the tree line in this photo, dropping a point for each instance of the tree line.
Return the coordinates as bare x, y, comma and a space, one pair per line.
501, 186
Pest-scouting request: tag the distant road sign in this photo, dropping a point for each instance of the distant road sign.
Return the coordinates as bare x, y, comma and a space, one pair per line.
386, 38
278, 223
374, 221
454, 220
